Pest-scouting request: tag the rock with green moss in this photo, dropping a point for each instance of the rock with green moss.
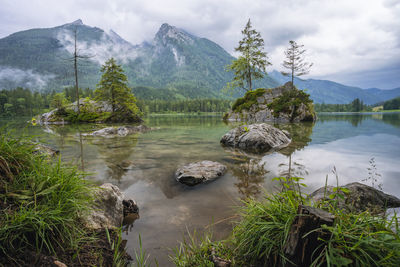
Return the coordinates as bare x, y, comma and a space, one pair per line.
280, 104
90, 111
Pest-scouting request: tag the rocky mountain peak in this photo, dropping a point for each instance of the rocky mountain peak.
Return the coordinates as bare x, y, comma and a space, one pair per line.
76, 22
168, 33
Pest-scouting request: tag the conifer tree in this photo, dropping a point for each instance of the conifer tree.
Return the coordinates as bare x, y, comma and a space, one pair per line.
113, 88
295, 61
251, 64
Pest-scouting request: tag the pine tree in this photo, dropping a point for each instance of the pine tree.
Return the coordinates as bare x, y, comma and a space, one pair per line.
295, 61
252, 62
113, 88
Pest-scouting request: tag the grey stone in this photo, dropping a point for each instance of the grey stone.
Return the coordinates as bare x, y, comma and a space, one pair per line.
360, 198
259, 112
199, 172
108, 209
256, 138
119, 131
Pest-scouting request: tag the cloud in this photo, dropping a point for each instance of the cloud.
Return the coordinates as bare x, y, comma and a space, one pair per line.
13, 77
109, 45
341, 36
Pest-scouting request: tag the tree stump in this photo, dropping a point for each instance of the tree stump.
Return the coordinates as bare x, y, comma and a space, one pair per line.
299, 249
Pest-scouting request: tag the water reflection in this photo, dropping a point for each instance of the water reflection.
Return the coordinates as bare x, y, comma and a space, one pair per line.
250, 178
143, 165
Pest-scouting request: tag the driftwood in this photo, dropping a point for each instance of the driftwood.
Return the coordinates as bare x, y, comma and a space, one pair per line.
298, 247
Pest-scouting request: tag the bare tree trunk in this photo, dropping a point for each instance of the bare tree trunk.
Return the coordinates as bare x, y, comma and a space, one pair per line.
300, 243
76, 74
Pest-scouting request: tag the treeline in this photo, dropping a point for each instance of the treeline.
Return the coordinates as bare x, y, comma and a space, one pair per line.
356, 105
184, 106
24, 102
392, 104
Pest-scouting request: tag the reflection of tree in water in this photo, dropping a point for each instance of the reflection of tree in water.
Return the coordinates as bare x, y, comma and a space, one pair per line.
250, 175
115, 152
300, 133
354, 119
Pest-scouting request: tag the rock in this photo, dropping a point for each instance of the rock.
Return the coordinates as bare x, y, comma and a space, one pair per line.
109, 208
360, 198
46, 150
119, 131
256, 138
258, 111
59, 264
199, 172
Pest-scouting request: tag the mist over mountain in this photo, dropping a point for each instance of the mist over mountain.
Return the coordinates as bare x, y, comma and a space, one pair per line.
175, 63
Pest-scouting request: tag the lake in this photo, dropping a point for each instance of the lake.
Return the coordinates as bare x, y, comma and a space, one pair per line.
359, 146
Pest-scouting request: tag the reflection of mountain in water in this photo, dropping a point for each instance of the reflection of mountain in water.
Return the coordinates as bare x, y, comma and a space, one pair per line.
332, 127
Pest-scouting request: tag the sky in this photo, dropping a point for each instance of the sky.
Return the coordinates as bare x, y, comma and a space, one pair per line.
355, 42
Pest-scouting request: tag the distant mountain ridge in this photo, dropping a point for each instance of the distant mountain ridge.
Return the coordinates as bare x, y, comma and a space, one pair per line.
181, 64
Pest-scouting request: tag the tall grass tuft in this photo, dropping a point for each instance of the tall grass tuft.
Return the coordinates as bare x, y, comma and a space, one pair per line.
40, 200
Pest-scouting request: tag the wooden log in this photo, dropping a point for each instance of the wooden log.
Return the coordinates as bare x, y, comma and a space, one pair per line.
299, 248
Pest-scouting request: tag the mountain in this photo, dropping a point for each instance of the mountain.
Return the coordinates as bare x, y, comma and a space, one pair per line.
174, 65
175, 60
328, 92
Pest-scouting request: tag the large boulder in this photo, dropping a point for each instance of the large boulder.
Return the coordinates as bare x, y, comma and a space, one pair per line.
258, 106
199, 172
109, 208
360, 198
256, 138
119, 131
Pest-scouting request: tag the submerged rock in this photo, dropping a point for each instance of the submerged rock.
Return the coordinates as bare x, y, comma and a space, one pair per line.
119, 131
360, 198
109, 208
46, 150
256, 138
199, 172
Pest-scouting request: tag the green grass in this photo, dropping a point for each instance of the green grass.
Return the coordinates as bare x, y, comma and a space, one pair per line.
40, 200
248, 100
356, 239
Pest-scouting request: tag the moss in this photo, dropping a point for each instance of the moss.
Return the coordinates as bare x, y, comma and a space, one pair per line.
248, 100
289, 102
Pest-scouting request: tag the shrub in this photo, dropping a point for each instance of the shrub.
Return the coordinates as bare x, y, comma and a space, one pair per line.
249, 99
40, 200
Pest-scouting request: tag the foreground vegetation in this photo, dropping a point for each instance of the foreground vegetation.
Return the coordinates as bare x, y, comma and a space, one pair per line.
258, 239
41, 201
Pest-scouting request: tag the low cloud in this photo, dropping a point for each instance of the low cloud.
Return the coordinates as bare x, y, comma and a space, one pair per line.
109, 45
13, 77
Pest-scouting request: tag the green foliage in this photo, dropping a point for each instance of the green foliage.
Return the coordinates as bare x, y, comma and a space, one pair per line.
392, 104
249, 99
198, 251
252, 62
184, 106
289, 102
356, 105
58, 101
295, 61
43, 200
113, 88
355, 239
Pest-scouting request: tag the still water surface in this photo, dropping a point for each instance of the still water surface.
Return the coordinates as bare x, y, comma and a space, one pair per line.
143, 166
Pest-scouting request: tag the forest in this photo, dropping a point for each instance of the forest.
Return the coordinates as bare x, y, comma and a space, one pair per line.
23, 102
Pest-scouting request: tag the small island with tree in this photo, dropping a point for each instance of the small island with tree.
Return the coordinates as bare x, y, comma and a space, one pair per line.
113, 102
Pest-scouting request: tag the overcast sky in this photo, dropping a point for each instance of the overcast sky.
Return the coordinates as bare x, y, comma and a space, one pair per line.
355, 42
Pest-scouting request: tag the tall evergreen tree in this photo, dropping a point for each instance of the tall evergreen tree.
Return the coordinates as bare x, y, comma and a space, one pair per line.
113, 88
251, 64
295, 61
